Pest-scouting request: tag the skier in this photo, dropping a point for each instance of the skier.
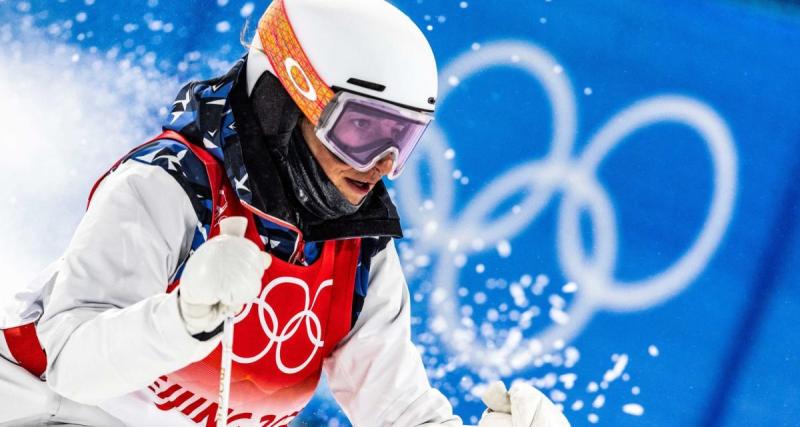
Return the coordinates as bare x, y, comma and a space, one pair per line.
262, 199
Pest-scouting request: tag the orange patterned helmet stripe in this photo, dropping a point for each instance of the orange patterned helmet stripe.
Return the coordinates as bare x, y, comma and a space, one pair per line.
291, 64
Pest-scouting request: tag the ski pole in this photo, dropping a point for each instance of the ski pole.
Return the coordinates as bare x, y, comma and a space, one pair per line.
225, 372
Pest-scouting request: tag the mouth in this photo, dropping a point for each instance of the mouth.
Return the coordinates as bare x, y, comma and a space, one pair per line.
360, 187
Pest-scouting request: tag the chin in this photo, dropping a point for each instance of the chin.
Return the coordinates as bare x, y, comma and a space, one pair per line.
355, 200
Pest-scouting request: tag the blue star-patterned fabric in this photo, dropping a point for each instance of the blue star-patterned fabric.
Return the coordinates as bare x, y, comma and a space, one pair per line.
202, 112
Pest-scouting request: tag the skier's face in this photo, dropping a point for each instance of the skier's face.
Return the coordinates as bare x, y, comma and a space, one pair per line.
353, 185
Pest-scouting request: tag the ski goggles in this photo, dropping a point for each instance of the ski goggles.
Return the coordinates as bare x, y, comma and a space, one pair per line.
362, 131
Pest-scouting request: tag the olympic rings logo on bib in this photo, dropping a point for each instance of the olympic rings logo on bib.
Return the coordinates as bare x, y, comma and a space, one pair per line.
276, 334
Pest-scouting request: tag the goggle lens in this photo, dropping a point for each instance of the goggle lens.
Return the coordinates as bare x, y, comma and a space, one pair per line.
362, 131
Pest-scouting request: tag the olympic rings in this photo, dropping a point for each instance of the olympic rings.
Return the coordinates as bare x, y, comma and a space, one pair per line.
270, 325
539, 181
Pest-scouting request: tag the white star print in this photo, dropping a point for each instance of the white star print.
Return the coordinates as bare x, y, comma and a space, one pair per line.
240, 183
184, 102
172, 160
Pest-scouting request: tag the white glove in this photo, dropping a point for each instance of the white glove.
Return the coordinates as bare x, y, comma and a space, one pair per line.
220, 277
522, 406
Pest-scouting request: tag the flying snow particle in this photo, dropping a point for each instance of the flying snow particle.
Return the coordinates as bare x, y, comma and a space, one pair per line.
599, 401
635, 390
247, 9
480, 268
619, 367
634, 409
438, 325
527, 315
587, 91
81, 17
577, 405
653, 351
450, 153
504, 249
452, 245
477, 244
518, 294
463, 5
475, 46
559, 316
558, 396
557, 302
223, 26
572, 355
568, 380
541, 282
593, 418
569, 288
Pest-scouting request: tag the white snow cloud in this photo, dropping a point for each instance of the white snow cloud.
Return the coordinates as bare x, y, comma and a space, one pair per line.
68, 114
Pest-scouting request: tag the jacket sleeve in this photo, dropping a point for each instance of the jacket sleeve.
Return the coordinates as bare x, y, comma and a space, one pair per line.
108, 327
376, 374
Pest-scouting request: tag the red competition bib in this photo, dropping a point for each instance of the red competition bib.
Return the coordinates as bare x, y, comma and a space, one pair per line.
280, 340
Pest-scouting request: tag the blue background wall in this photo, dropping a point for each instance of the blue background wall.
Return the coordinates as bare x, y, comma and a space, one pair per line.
714, 345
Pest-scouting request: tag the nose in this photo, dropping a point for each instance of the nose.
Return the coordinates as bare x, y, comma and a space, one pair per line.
384, 165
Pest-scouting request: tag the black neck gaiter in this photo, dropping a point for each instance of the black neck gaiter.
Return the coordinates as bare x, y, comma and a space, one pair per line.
311, 186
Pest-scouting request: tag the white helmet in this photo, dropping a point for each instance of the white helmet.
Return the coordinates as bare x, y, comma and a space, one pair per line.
368, 47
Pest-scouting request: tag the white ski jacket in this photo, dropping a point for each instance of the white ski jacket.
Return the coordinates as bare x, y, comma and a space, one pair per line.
109, 329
